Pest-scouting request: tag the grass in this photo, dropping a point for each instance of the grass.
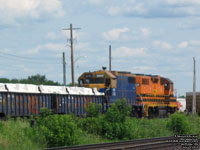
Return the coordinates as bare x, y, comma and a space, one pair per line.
194, 125
16, 135
87, 138
149, 128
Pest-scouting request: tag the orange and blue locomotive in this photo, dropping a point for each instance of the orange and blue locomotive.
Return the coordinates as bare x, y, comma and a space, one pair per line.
149, 95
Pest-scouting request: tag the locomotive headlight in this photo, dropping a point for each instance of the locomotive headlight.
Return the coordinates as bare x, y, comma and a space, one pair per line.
137, 84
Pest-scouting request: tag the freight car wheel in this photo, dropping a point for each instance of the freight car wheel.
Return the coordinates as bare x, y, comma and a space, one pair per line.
2, 116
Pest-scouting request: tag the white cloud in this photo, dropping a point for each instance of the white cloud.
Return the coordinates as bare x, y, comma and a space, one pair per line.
128, 52
156, 43
165, 8
114, 33
191, 43
114, 11
10, 10
81, 45
143, 69
127, 9
76, 34
5, 51
3, 72
166, 45
162, 45
53, 6
96, 2
194, 42
182, 2
51, 35
145, 32
54, 47
34, 50
183, 44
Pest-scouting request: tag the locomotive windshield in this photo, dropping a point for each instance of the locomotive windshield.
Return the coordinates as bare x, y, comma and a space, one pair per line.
90, 79
99, 80
154, 79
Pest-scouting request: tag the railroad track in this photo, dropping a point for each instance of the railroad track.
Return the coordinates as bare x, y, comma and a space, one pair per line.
167, 143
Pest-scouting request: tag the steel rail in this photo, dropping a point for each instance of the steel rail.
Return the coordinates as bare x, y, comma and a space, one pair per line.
153, 143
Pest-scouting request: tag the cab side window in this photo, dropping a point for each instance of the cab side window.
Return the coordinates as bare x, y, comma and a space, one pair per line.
131, 80
107, 82
81, 82
166, 86
145, 81
87, 81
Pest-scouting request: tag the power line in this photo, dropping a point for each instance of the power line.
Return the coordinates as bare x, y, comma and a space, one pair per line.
32, 61
23, 57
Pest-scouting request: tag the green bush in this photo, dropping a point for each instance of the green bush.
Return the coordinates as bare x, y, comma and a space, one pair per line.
93, 110
91, 124
178, 123
59, 130
114, 126
118, 111
114, 130
132, 128
111, 125
44, 112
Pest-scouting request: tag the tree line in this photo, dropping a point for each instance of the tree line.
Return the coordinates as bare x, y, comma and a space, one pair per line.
34, 79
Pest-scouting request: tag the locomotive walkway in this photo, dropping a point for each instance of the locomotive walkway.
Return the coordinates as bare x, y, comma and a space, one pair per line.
164, 143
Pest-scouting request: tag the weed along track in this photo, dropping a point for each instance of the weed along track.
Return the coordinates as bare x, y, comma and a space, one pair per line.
168, 143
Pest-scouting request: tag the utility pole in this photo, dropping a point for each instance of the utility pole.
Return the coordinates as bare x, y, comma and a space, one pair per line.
72, 51
194, 90
110, 57
64, 70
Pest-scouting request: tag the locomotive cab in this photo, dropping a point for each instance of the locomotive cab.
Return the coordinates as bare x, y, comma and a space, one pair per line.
102, 80
115, 85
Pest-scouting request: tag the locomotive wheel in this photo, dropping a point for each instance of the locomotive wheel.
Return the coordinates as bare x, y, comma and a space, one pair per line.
156, 113
171, 110
153, 112
162, 113
150, 112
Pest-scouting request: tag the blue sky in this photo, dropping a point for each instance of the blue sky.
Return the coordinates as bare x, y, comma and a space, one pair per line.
152, 37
